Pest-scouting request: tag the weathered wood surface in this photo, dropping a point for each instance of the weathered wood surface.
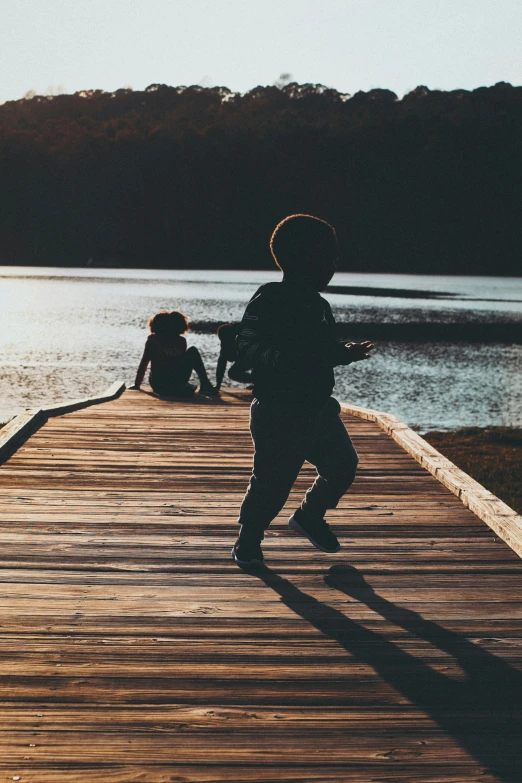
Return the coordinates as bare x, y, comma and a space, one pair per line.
504, 520
22, 426
132, 648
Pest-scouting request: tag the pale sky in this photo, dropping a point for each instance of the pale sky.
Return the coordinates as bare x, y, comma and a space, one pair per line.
54, 46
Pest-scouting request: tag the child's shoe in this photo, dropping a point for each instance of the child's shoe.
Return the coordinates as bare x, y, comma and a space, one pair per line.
247, 553
316, 530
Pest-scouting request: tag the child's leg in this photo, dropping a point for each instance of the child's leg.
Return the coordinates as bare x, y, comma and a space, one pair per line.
191, 360
172, 390
280, 442
332, 452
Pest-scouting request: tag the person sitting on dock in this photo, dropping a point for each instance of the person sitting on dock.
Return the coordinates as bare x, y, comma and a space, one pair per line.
287, 336
171, 362
227, 334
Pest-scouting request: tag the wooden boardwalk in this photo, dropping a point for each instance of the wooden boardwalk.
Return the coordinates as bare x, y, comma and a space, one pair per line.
132, 648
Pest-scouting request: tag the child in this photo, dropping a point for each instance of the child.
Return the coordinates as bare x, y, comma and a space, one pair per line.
227, 334
171, 362
288, 337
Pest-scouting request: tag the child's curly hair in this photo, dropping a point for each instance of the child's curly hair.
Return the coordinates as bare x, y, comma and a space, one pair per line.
228, 332
166, 324
296, 236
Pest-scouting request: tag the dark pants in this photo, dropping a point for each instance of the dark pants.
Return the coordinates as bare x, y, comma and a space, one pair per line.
237, 373
283, 441
175, 382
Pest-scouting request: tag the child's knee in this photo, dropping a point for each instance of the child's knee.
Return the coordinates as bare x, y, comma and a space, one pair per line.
268, 495
345, 473
351, 466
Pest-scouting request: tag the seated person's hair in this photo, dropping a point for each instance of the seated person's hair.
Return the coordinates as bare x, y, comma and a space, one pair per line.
227, 333
167, 324
296, 236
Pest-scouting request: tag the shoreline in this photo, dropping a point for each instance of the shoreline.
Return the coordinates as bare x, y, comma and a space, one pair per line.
10, 263
495, 332
490, 455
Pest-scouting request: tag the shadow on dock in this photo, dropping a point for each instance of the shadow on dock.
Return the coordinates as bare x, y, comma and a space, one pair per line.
464, 708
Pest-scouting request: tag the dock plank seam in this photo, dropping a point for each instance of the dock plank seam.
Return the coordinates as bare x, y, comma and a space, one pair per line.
132, 648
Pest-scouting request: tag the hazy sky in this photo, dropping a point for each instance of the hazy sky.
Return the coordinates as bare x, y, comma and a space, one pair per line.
68, 45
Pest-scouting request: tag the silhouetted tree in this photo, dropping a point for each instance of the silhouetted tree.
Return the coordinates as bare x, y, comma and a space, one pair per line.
194, 176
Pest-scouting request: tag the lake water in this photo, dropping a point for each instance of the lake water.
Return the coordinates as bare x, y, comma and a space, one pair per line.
67, 333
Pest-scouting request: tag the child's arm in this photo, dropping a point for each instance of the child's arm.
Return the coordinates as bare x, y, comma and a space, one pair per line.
349, 352
355, 352
145, 359
257, 337
254, 343
220, 370
261, 329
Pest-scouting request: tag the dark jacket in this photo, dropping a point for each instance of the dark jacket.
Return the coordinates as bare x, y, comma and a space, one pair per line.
287, 336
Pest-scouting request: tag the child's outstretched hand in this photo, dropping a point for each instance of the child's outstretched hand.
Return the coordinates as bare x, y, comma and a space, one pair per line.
356, 352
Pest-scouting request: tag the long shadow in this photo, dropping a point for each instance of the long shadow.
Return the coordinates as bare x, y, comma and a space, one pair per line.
195, 399
483, 712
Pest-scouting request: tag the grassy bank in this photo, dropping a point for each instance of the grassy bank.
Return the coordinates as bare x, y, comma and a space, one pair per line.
491, 455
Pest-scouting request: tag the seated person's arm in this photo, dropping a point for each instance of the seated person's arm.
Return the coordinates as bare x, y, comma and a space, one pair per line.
145, 359
220, 370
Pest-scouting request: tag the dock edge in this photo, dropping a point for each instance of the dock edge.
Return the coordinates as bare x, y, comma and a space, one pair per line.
502, 519
16, 431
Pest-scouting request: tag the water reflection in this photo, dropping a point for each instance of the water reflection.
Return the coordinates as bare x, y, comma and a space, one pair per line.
68, 333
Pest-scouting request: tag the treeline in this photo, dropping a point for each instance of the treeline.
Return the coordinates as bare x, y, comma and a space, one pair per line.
198, 177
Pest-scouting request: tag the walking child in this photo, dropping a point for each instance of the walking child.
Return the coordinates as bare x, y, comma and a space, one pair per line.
171, 362
287, 337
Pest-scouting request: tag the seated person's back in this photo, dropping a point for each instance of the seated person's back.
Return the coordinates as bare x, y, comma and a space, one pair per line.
170, 360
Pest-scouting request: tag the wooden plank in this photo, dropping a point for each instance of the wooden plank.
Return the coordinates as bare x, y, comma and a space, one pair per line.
25, 424
132, 648
398, 772
506, 523
18, 429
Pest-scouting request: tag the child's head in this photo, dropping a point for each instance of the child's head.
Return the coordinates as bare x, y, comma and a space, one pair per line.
305, 246
227, 333
168, 325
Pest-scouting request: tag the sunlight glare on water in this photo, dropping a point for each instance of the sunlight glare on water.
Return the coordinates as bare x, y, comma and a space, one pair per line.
66, 333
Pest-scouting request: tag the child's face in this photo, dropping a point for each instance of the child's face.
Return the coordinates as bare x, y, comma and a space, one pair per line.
322, 263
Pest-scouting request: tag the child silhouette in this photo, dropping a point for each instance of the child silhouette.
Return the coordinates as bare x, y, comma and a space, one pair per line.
171, 361
287, 337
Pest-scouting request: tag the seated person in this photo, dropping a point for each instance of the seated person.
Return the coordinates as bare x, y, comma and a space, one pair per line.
227, 334
171, 362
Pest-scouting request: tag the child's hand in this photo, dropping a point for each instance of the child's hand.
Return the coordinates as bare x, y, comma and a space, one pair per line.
356, 352
134, 387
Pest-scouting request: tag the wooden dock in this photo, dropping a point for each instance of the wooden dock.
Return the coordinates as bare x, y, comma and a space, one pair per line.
133, 649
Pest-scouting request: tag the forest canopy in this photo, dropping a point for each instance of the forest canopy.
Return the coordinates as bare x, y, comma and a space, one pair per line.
196, 177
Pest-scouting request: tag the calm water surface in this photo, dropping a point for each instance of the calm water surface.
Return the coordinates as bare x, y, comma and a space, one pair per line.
66, 333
